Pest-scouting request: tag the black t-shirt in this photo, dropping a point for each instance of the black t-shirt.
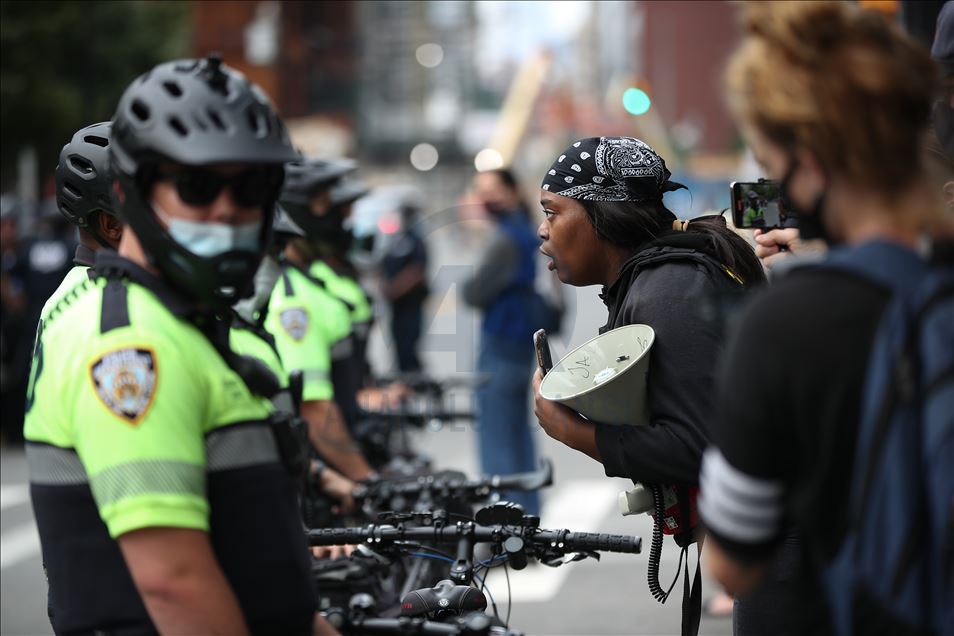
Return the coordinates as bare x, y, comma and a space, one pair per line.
408, 250
789, 403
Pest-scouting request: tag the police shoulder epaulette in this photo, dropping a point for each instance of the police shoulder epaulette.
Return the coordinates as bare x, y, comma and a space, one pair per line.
69, 298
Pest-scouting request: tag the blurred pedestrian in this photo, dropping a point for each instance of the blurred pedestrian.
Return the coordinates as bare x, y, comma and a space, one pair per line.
502, 288
825, 93
942, 50
404, 285
12, 305
43, 262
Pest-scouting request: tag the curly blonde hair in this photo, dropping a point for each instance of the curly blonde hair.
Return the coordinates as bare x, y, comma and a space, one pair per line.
837, 80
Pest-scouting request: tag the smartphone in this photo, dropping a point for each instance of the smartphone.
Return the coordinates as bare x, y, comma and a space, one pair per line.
544, 360
759, 205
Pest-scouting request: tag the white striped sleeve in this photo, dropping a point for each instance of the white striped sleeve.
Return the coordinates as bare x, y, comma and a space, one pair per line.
737, 506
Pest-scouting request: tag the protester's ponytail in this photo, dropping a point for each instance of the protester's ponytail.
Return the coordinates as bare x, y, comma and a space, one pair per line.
631, 225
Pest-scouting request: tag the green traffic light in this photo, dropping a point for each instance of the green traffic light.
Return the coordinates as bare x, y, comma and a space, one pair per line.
636, 101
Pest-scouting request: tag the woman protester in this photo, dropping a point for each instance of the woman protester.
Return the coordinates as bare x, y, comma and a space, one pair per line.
834, 102
606, 224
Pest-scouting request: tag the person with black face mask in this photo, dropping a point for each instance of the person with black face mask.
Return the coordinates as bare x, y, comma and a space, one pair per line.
334, 268
501, 289
834, 102
807, 238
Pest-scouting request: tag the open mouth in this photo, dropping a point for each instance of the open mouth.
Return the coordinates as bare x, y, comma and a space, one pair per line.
551, 264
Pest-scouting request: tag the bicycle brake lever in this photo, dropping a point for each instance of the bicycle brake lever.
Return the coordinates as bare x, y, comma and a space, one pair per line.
556, 559
429, 518
363, 551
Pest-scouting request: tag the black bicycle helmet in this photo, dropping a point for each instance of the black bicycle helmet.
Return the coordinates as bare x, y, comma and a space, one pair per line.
195, 112
347, 191
303, 179
284, 226
84, 182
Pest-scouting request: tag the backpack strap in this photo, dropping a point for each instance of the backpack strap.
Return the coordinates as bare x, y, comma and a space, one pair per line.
885, 263
691, 596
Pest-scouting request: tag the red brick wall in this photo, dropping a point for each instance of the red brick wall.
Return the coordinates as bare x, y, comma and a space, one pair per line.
684, 49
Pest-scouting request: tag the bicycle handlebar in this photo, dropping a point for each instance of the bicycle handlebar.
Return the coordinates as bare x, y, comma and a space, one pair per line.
407, 626
423, 383
558, 540
418, 417
456, 485
592, 541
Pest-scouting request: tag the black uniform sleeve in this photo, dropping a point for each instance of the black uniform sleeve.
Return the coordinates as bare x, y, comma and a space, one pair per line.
787, 413
743, 474
681, 379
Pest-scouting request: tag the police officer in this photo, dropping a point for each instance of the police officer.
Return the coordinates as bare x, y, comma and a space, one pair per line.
84, 187
754, 215
248, 336
312, 328
333, 267
157, 484
84, 198
339, 277
404, 285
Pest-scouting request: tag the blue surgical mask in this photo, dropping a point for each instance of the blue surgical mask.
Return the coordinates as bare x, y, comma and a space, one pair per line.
211, 239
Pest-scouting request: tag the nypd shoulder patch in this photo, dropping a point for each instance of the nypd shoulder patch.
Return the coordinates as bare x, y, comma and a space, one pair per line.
125, 381
295, 322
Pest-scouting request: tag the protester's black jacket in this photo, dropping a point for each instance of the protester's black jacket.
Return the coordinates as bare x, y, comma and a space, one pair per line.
671, 285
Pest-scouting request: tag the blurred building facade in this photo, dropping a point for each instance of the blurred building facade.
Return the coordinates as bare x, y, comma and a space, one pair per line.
305, 55
675, 52
680, 50
417, 75
349, 71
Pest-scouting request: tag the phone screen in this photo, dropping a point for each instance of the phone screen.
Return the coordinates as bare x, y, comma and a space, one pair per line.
759, 205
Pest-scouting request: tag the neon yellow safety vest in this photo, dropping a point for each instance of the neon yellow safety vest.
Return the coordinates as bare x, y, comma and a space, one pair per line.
311, 328
351, 292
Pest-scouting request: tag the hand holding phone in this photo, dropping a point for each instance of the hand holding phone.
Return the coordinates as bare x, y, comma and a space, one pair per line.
542, 347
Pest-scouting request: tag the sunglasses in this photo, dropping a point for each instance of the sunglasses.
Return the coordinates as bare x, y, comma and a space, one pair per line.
250, 188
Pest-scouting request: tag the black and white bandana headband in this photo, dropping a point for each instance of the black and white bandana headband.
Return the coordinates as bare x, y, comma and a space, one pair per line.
609, 169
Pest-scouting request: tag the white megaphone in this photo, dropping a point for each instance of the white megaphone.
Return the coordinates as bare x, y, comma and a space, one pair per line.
605, 380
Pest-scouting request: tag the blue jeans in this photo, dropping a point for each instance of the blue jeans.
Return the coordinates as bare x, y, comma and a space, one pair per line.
503, 413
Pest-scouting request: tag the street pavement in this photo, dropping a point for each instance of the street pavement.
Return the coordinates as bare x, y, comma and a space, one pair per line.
587, 598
